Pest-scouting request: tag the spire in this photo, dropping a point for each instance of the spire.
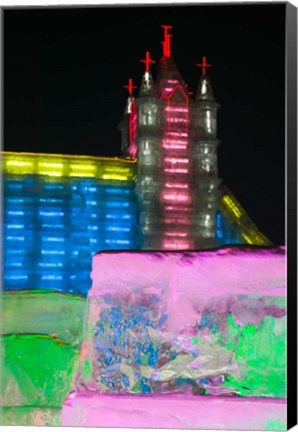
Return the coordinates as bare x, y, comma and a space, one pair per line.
147, 84
128, 106
204, 91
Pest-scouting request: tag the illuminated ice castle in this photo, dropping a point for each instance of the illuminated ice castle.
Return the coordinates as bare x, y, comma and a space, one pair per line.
175, 139
164, 194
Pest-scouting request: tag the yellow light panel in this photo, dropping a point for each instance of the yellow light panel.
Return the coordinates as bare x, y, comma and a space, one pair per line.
53, 165
249, 232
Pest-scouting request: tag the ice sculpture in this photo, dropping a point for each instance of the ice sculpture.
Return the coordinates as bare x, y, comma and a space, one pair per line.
33, 386
174, 137
194, 323
42, 336
56, 314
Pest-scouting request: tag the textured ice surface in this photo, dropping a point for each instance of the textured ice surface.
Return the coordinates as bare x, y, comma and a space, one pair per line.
37, 371
53, 313
174, 411
40, 350
209, 323
54, 225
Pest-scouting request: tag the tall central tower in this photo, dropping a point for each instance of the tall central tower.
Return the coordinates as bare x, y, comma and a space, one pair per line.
174, 137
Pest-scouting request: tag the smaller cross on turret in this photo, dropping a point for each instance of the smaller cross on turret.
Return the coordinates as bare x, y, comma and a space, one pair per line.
204, 65
130, 87
166, 43
147, 61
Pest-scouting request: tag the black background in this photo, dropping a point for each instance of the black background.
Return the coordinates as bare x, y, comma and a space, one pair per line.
64, 69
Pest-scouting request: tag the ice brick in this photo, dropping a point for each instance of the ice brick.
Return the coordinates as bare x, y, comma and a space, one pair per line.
60, 315
37, 371
209, 323
173, 411
54, 225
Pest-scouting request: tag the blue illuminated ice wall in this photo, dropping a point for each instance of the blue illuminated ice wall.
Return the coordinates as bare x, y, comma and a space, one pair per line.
53, 228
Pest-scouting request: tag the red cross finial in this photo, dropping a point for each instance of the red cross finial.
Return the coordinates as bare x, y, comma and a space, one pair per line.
147, 61
130, 87
166, 43
204, 65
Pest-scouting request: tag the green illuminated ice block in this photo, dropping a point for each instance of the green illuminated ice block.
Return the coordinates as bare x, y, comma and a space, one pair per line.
37, 375
40, 351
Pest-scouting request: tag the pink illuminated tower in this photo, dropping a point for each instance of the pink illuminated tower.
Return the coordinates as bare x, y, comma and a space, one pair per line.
174, 137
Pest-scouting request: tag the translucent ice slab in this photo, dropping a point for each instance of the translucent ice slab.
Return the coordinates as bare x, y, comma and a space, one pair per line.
37, 375
60, 315
201, 323
174, 411
39, 357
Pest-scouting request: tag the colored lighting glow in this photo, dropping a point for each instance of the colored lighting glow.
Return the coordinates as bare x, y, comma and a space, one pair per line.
67, 166
174, 208
248, 231
228, 201
178, 134
177, 220
114, 177
133, 149
176, 171
177, 160
177, 120
176, 109
177, 245
176, 198
177, 88
174, 146
176, 185
176, 234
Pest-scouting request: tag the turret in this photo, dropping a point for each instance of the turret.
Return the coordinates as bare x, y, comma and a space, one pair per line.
128, 125
205, 154
124, 127
147, 184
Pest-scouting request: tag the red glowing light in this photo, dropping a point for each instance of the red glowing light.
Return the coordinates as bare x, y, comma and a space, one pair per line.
130, 87
176, 234
169, 108
178, 244
176, 185
204, 65
174, 160
133, 149
147, 61
166, 43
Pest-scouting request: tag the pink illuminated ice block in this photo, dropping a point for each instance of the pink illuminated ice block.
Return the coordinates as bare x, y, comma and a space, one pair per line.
173, 411
184, 339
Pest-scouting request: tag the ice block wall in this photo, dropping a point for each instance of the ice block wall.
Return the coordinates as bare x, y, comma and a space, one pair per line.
58, 212
201, 323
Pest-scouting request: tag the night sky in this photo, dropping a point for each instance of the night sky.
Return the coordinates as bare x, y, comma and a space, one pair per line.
64, 69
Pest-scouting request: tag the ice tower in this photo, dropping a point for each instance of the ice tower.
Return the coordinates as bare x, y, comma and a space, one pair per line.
174, 137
